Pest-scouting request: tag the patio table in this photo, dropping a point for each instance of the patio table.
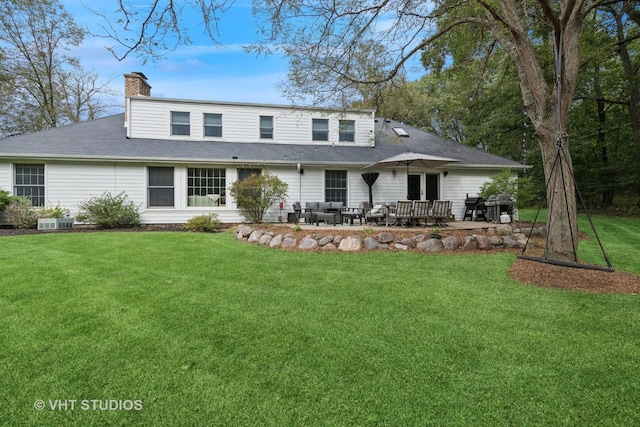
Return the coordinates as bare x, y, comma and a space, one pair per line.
331, 216
349, 214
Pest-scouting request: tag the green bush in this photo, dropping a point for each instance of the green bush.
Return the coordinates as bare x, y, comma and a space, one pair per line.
256, 194
204, 223
109, 211
5, 199
521, 188
21, 214
51, 212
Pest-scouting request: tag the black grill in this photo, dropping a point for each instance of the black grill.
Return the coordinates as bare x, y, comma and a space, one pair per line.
474, 204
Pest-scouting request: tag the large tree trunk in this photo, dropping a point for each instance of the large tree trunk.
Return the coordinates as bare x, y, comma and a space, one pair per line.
548, 113
561, 202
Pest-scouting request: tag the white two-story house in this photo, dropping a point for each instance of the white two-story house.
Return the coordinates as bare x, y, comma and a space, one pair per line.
177, 158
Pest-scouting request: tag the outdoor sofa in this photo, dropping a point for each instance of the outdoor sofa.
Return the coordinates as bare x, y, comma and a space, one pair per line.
314, 212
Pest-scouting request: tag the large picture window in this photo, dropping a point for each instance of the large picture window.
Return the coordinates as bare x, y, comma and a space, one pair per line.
213, 125
347, 130
320, 129
160, 192
206, 187
180, 123
335, 186
29, 182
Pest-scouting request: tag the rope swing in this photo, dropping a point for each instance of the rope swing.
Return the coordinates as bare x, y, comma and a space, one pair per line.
558, 167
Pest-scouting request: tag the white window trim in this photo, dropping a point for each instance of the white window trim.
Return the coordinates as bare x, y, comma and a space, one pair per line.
328, 130
175, 136
273, 127
222, 124
355, 131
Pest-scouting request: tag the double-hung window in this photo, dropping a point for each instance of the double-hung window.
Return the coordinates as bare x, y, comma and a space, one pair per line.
320, 129
347, 130
266, 127
206, 187
180, 123
213, 125
335, 186
29, 182
160, 190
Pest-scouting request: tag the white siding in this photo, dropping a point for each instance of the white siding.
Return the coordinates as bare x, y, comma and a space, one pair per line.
151, 117
69, 184
5, 184
5, 177
388, 187
458, 183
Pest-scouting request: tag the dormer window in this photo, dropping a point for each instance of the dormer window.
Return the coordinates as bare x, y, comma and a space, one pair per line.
320, 130
266, 127
347, 130
180, 124
213, 125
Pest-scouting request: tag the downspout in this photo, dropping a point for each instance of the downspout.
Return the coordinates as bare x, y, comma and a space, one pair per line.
298, 169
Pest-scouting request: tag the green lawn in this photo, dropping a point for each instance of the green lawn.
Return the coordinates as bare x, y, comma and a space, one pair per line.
203, 330
620, 239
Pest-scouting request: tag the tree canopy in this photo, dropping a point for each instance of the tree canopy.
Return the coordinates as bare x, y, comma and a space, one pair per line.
41, 84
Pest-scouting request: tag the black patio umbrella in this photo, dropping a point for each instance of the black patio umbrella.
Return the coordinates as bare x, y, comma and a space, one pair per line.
370, 179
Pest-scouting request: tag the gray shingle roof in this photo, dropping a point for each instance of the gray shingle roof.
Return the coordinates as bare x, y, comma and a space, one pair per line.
105, 139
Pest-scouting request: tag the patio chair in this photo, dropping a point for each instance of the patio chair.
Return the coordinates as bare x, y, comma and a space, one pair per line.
403, 213
441, 210
307, 215
373, 214
420, 211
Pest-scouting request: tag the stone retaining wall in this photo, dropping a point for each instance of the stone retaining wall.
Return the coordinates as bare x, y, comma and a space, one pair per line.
501, 237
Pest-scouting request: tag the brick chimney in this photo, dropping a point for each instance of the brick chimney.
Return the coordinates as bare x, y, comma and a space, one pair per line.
135, 84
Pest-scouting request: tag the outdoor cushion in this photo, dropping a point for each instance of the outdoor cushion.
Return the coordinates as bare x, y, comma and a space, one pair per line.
376, 209
324, 206
337, 205
312, 206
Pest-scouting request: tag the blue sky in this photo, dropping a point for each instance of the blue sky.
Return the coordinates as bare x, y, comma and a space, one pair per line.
200, 70
196, 71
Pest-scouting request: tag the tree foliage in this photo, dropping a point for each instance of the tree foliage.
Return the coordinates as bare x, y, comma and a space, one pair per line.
257, 193
41, 84
5, 199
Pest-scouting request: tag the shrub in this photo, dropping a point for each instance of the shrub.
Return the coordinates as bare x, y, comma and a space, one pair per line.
256, 194
5, 199
521, 188
204, 223
20, 213
109, 211
54, 212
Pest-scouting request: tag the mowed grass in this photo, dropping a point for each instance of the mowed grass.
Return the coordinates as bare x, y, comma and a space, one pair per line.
619, 237
204, 330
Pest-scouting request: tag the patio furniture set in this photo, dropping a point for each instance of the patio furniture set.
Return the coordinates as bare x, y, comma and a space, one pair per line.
314, 212
403, 213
